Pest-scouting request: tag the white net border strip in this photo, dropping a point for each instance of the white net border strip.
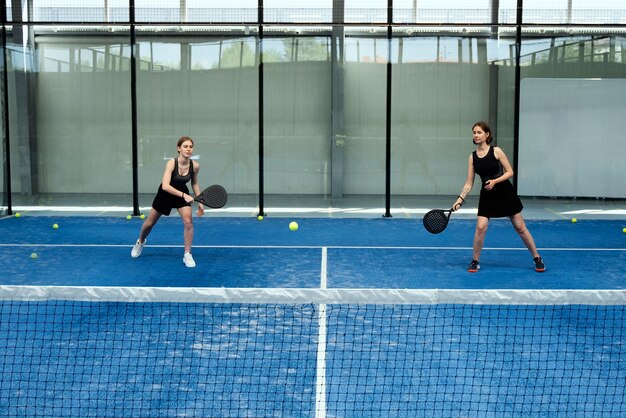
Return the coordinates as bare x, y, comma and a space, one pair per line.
316, 296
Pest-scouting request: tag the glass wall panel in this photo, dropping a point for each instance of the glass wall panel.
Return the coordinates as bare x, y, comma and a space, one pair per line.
601, 12
205, 87
604, 12
70, 125
159, 11
361, 11
298, 11
297, 119
442, 84
97, 11
573, 85
441, 11
365, 114
221, 11
507, 13
324, 96
196, 11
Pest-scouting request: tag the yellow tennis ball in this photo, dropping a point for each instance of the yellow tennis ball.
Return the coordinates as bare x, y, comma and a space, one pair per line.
128, 217
142, 216
55, 226
624, 230
17, 214
260, 217
33, 255
574, 220
293, 226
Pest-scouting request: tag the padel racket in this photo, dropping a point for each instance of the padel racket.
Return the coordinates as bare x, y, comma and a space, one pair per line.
214, 196
436, 220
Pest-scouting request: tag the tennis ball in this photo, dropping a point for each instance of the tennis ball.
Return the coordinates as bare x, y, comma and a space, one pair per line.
142, 216
128, 217
17, 214
293, 226
33, 255
55, 226
624, 230
260, 217
574, 220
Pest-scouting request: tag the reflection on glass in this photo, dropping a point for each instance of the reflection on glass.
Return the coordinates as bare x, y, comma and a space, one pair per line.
70, 131
442, 85
297, 120
206, 88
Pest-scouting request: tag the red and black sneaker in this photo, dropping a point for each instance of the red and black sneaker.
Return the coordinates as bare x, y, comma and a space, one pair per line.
473, 266
539, 265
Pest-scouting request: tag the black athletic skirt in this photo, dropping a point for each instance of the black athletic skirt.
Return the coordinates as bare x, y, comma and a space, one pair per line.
164, 202
499, 202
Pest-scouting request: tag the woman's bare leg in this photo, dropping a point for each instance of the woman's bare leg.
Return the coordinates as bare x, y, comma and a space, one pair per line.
479, 236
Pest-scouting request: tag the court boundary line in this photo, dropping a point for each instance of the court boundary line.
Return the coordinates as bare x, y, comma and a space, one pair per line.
354, 247
320, 370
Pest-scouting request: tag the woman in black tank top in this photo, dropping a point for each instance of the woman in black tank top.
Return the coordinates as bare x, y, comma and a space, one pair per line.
174, 193
497, 196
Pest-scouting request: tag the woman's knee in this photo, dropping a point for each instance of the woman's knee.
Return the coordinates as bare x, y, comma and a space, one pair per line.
519, 224
188, 222
481, 226
152, 219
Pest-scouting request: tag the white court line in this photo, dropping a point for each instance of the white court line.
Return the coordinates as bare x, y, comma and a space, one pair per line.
349, 247
323, 278
320, 374
556, 213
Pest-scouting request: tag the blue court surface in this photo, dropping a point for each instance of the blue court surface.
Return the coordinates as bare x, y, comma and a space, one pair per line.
238, 359
361, 253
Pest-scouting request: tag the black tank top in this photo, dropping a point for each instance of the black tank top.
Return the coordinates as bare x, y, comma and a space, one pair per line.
487, 167
177, 181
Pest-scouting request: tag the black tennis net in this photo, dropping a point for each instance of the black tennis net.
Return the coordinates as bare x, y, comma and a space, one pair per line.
94, 351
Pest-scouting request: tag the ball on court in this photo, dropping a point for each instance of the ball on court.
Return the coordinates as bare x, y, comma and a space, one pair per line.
142, 216
260, 217
17, 215
574, 220
293, 226
55, 226
33, 255
128, 217
624, 230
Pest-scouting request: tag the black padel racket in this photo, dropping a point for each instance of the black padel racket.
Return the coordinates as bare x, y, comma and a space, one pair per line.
213, 196
436, 220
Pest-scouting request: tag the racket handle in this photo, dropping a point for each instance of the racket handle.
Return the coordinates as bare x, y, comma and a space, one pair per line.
457, 206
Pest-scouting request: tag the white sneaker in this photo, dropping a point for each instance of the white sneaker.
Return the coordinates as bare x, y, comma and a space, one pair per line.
136, 252
188, 260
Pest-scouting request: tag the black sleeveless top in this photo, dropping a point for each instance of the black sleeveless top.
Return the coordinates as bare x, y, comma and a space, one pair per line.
501, 200
487, 167
177, 181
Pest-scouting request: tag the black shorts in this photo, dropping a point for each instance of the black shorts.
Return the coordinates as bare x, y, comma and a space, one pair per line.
164, 202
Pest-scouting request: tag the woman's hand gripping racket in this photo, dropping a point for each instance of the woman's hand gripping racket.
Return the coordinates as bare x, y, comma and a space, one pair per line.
214, 197
436, 220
